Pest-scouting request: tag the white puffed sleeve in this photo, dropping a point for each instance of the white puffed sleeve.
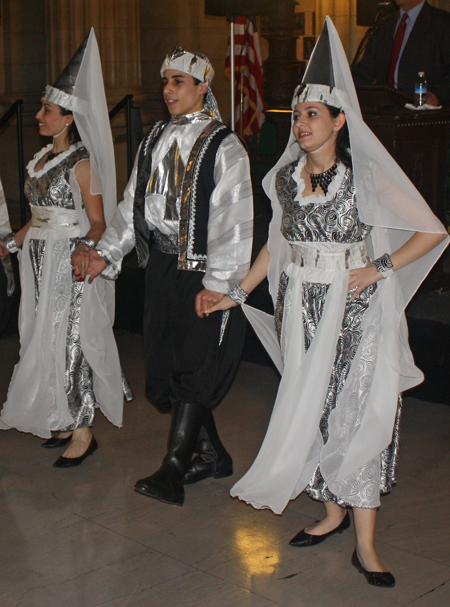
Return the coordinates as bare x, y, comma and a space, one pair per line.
230, 224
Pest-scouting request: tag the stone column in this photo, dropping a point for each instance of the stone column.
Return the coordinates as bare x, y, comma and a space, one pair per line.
117, 28
282, 71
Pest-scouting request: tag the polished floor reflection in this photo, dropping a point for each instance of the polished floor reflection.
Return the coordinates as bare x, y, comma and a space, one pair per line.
82, 537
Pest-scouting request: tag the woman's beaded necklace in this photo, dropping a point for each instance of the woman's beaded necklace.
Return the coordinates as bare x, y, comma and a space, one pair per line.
322, 179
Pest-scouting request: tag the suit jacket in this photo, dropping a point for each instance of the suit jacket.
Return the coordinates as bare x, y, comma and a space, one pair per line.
427, 50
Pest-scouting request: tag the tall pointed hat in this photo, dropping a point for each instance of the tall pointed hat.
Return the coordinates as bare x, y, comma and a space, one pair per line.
61, 92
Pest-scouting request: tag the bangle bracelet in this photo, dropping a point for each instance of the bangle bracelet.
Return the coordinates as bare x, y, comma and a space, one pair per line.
384, 265
87, 241
238, 295
103, 256
10, 243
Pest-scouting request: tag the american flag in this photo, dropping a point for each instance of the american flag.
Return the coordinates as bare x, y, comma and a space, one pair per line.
248, 77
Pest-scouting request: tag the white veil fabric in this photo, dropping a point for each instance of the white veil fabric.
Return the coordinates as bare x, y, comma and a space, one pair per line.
90, 112
91, 117
389, 202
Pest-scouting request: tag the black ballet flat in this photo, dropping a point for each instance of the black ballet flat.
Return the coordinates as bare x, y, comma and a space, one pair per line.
382, 579
70, 462
55, 443
303, 539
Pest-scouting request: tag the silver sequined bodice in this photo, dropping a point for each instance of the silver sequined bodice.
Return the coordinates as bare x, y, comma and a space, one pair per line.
53, 187
334, 221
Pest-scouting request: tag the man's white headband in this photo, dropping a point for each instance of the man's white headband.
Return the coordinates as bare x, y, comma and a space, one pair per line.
196, 65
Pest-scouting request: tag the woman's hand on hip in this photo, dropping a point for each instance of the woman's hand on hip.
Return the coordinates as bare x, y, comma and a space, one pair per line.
361, 278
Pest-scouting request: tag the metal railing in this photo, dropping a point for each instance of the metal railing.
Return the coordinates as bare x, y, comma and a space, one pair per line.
16, 108
126, 102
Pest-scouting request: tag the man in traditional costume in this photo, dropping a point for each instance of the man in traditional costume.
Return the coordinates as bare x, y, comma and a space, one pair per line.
189, 195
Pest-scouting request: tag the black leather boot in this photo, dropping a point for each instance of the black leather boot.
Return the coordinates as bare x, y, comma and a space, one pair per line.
212, 460
167, 483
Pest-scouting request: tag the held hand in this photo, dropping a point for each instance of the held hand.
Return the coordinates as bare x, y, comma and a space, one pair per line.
80, 261
206, 300
96, 265
3, 250
225, 304
360, 278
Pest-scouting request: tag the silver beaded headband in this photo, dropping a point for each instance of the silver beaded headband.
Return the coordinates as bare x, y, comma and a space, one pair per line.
321, 93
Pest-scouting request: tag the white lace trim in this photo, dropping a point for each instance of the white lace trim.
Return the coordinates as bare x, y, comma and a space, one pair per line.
316, 198
52, 163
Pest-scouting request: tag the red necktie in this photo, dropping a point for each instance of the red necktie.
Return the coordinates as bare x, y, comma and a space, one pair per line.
396, 47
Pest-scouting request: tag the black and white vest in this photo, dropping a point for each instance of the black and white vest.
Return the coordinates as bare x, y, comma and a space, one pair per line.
196, 189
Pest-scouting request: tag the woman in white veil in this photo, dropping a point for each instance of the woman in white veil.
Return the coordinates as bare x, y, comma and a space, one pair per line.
69, 363
339, 335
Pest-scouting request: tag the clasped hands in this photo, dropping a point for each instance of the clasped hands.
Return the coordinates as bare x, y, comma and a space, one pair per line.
3, 250
87, 262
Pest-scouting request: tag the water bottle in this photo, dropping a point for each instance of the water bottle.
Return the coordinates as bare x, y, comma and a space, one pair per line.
420, 90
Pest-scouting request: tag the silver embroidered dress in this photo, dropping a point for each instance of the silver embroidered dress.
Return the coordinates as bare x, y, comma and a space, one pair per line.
313, 311
68, 359
329, 219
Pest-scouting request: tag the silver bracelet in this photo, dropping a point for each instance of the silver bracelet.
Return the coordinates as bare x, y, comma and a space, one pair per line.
87, 241
103, 256
238, 295
384, 265
10, 243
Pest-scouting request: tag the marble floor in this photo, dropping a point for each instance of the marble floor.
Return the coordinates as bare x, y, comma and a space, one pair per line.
83, 538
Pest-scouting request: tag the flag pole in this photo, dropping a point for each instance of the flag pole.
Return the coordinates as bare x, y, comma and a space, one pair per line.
233, 117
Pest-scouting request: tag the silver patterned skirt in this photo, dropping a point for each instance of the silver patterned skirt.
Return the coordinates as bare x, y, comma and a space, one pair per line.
313, 300
78, 378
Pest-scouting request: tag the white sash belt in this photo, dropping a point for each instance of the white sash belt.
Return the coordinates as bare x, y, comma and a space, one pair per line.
345, 258
53, 217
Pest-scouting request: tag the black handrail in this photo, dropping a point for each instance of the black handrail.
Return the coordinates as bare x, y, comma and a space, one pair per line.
128, 102
16, 108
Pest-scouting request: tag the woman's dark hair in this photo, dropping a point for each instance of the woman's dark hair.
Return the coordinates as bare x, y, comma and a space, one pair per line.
343, 153
72, 132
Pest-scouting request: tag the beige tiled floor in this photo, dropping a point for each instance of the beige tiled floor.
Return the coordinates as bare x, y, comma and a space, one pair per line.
84, 538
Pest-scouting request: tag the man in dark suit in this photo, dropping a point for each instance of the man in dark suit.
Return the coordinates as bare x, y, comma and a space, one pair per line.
422, 39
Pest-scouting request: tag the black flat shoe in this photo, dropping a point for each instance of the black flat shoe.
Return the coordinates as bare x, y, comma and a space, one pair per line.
55, 442
382, 579
306, 539
70, 462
